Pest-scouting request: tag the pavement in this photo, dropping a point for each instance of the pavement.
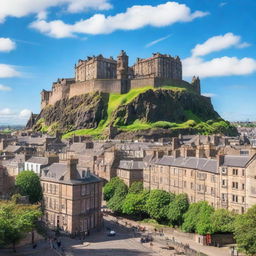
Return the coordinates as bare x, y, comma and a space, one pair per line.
126, 242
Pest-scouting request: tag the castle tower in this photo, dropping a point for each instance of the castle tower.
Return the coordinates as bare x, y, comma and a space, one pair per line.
123, 71
196, 84
122, 65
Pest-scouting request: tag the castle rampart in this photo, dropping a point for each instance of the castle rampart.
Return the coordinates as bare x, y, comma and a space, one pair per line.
115, 76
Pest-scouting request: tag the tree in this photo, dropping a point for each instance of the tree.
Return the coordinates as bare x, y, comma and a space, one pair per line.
28, 184
223, 221
198, 218
116, 202
134, 204
110, 187
177, 208
16, 220
157, 204
136, 187
245, 231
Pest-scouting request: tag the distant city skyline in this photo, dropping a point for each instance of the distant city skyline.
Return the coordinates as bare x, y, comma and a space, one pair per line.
40, 42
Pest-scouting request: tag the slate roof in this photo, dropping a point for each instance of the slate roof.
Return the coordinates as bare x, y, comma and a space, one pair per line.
38, 160
56, 172
131, 165
236, 161
203, 164
12, 148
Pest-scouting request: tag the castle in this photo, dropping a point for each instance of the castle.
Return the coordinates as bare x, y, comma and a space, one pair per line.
115, 76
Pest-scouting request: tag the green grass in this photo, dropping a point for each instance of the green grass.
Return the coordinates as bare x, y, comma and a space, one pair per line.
116, 100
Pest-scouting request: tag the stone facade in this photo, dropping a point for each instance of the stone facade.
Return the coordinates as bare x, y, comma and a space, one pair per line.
115, 76
72, 199
226, 182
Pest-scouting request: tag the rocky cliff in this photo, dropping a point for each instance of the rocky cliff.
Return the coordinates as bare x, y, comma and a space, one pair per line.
139, 113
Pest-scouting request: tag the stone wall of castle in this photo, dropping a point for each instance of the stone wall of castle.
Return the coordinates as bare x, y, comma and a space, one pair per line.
95, 68
115, 76
104, 85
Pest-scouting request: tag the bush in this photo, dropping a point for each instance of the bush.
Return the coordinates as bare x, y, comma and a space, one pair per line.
245, 231
134, 204
198, 218
177, 208
157, 204
223, 221
110, 187
136, 187
28, 184
116, 202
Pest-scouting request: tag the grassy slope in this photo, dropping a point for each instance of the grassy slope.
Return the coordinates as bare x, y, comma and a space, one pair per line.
115, 100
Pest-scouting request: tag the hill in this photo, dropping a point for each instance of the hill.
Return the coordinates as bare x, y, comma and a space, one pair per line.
144, 112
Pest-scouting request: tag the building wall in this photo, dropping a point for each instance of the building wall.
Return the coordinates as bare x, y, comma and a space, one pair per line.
226, 189
251, 184
74, 208
130, 176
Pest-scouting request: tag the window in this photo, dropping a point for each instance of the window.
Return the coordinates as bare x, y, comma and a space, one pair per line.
192, 185
243, 172
243, 199
243, 186
235, 198
235, 185
235, 172
185, 184
224, 170
213, 179
224, 197
224, 183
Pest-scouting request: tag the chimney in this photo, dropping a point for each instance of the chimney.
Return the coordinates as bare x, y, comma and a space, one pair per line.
176, 153
72, 172
175, 143
220, 159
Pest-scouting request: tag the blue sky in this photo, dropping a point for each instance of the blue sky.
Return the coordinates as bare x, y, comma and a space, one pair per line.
41, 41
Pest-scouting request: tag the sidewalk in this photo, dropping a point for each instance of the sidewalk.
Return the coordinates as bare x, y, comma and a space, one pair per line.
208, 250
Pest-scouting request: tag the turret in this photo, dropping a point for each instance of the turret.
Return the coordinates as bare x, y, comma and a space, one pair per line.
196, 84
122, 65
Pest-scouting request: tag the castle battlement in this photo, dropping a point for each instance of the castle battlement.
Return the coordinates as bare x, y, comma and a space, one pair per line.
97, 73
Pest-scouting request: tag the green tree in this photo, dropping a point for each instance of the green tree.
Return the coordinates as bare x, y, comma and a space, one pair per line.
245, 231
134, 204
110, 187
177, 208
28, 184
157, 204
136, 187
15, 221
198, 218
116, 201
223, 221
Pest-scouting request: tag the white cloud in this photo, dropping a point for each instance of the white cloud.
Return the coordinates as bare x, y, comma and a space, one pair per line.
135, 17
24, 114
209, 94
6, 112
8, 71
157, 41
222, 4
223, 66
218, 43
5, 88
6, 44
21, 8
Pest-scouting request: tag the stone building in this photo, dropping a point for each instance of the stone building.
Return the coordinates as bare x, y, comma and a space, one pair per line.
108, 75
72, 198
159, 65
130, 171
226, 182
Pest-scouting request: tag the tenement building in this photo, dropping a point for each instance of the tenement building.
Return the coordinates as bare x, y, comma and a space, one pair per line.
72, 198
108, 75
227, 182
